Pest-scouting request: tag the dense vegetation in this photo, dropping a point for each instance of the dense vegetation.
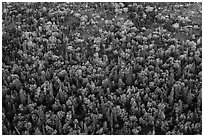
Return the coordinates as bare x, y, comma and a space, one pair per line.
101, 68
